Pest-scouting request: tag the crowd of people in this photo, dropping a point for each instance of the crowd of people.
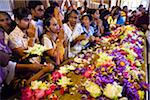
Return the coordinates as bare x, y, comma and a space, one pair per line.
60, 29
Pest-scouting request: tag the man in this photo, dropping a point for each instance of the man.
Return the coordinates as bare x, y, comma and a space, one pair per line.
23, 35
37, 11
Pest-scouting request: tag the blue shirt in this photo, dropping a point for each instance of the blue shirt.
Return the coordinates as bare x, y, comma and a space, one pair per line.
89, 32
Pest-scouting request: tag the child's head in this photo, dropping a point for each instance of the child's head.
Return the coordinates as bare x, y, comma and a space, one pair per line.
22, 17
86, 20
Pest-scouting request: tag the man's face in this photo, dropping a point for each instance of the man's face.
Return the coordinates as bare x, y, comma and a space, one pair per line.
73, 18
24, 23
5, 21
54, 27
38, 11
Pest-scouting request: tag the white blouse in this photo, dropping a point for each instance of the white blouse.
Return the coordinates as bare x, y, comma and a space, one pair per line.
72, 35
49, 44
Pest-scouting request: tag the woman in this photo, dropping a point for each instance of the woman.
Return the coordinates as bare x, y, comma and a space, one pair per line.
104, 16
112, 19
53, 40
54, 10
96, 22
73, 32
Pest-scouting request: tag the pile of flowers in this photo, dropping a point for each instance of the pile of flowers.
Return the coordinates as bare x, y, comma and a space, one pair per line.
34, 53
37, 49
37, 90
99, 73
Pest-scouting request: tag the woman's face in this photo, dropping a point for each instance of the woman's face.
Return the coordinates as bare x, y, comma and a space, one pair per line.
96, 14
73, 18
86, 21
24, 23
5, 21
54, 27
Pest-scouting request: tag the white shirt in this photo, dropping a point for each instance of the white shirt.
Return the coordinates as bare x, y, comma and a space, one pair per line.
49, 44
72, 35
18, 39
8, 72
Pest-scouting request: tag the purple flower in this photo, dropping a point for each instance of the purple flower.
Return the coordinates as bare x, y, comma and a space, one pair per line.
80, 70
145, 86
130, 91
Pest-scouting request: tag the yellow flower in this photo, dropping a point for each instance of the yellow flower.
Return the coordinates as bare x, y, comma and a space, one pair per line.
35, 84
141, 94
36, 49
39, 85
63, 70
113, 91
64, 81
93, 88
43, 86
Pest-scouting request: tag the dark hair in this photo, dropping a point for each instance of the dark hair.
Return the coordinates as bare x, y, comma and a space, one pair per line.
79, 8
124, 7
90, 17
140, 6
104, 13
5, 13
134, 11
12, 24
46, 22
67, 15
21, 13
54, 4
115, 11
32, 4
92, 11
50, 10
85, 3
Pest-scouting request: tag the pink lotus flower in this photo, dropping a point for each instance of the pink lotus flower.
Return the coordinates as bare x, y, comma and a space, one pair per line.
48, 92
56, 75
53, 86
62, 91
26, 94
87, 73
39, 94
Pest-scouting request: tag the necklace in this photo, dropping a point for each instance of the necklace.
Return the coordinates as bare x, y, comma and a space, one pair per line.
72, 28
